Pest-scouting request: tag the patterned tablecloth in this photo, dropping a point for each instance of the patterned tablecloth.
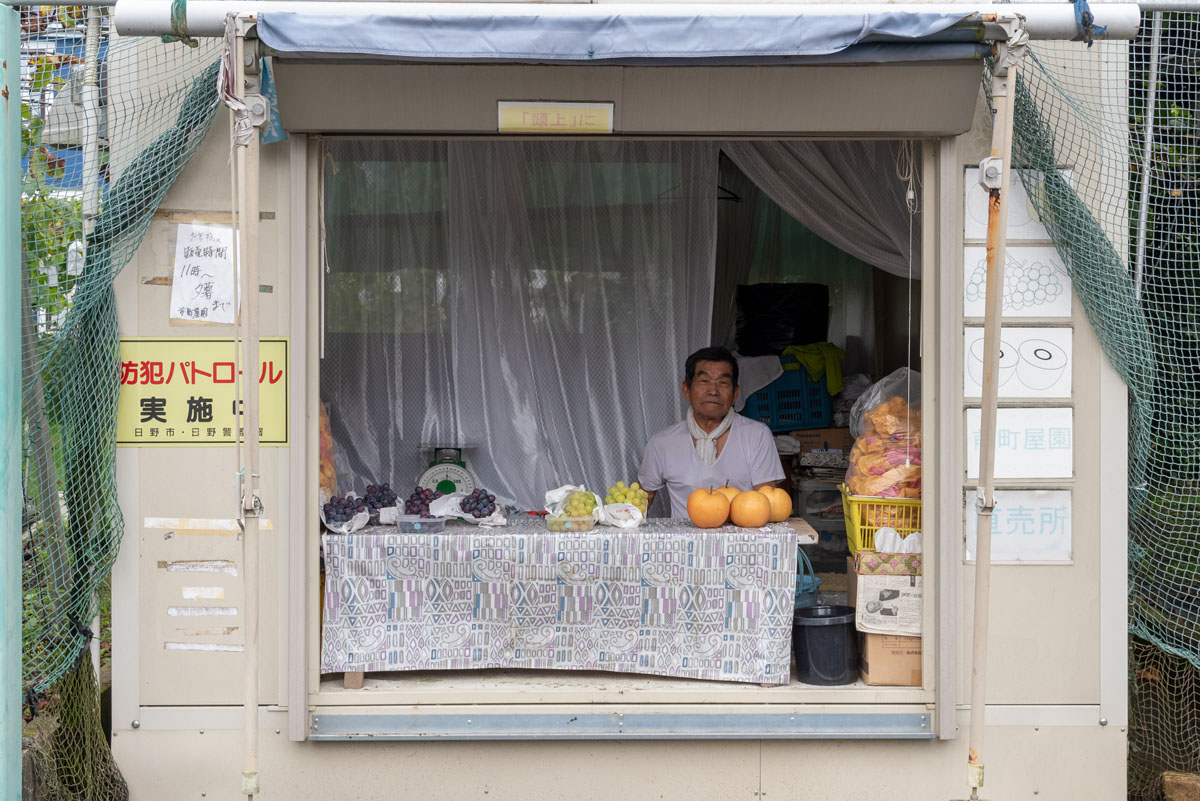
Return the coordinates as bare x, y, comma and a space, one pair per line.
665, 598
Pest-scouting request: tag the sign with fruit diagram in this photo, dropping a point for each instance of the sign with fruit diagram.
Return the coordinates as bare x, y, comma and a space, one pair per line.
184, 391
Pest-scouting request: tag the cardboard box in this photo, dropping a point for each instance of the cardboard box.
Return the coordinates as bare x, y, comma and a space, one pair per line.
889, 661
851, 583
888, 593
819, 439
887, 564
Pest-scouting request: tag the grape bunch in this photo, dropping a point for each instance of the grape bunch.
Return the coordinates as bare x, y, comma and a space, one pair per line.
580, 504
479, 503
341, 510
418, 502
634, 494
379, 497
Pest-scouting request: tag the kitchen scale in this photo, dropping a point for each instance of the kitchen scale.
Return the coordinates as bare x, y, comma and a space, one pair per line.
447, 472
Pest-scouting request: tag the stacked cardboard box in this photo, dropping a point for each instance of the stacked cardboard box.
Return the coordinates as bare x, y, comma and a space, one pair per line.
889, 647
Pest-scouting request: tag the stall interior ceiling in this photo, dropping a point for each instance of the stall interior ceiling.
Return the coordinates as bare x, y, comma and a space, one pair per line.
532, 301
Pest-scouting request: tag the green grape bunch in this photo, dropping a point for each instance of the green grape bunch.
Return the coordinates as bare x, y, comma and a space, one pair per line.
580, 504
633, 493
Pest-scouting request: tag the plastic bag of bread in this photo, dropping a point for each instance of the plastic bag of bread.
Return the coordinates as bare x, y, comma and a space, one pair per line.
328, 475
886, 422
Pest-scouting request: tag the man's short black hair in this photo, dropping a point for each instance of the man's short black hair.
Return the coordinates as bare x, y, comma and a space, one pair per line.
714, 354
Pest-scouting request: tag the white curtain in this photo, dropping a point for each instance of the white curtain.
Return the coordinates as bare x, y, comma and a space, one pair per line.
533, 301
847, 193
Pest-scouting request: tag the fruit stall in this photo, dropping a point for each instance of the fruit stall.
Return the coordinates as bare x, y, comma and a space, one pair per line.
488, 275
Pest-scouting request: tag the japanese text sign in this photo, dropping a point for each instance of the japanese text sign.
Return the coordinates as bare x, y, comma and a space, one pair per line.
555, 118
183, 391
202, 278
1027, 526
1030, 443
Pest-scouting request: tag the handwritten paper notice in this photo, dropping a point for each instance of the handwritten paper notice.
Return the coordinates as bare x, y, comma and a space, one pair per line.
203, 281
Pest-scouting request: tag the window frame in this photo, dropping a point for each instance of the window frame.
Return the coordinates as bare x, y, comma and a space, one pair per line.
775, 712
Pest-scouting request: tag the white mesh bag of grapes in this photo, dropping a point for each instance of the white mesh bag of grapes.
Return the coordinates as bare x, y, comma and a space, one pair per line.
479, 507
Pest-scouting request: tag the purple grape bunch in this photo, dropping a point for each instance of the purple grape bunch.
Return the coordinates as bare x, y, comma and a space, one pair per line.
379, 496
479, 503
342, 510
418, 502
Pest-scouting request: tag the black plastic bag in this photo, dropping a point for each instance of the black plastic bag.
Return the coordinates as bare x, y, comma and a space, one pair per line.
770, 317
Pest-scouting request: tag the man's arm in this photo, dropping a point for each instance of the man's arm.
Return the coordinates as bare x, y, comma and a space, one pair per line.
766, 467
650, 474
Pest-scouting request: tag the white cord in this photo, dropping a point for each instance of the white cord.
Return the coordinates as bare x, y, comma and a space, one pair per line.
906, 171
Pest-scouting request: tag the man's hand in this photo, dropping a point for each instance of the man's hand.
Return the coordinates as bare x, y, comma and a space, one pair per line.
650, 499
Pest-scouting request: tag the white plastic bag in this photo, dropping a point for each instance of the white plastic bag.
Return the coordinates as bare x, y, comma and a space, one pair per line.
556, 500
870, 414
621, 515
451, 506
352, 525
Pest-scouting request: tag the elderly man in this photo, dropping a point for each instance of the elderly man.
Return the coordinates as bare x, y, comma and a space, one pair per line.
715, 444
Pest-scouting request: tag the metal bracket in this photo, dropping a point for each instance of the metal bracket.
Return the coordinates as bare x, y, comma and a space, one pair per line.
1009, 52
981, 504
256, 508
991, 172
258, 108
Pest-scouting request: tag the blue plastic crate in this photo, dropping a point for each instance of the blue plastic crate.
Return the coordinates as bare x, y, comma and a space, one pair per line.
792, 401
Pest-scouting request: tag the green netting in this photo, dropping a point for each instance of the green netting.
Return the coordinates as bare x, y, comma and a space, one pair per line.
1081, 120
94, 172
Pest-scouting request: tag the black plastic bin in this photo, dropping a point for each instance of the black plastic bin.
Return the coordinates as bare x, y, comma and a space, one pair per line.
826, 645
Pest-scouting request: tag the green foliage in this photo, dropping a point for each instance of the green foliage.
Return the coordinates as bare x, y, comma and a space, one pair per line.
50, 222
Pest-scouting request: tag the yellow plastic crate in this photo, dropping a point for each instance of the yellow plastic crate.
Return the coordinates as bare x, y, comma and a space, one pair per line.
864, 515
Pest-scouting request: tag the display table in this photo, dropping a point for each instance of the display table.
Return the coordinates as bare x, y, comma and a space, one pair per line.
665, 598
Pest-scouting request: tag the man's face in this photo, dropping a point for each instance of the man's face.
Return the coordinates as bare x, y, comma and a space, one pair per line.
712, 392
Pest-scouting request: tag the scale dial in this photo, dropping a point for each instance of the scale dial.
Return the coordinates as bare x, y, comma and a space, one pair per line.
447, 477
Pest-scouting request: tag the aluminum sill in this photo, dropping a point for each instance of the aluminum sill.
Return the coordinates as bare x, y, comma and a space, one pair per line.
325, 726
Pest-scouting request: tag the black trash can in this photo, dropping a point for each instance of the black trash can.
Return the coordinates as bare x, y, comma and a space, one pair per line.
826, 645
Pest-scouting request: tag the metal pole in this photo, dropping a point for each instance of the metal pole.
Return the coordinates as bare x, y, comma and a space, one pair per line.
10, 403
247, 219
997, 176
1147, 154
91, 182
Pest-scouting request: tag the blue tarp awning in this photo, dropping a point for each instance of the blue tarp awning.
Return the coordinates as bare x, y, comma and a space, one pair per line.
606, 34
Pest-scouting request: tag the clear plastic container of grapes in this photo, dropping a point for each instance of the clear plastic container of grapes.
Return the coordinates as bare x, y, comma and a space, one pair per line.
414, 524
564, 523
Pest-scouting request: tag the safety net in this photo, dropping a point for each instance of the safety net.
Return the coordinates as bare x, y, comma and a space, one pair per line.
1105, 136
107, 125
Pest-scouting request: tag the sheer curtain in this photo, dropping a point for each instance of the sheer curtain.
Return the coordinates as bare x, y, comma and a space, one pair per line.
533, 301
847, 193
823, 212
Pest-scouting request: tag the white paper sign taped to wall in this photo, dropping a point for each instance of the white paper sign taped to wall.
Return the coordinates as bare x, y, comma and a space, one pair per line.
202, 278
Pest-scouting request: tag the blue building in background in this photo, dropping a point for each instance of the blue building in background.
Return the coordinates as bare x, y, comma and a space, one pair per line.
60, 102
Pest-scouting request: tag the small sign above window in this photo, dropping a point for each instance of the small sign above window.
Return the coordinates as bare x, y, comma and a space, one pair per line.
525, 117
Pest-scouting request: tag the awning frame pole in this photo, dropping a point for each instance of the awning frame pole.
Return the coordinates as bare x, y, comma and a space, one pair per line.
91, 186
246, 152
996, 176
1147, 154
